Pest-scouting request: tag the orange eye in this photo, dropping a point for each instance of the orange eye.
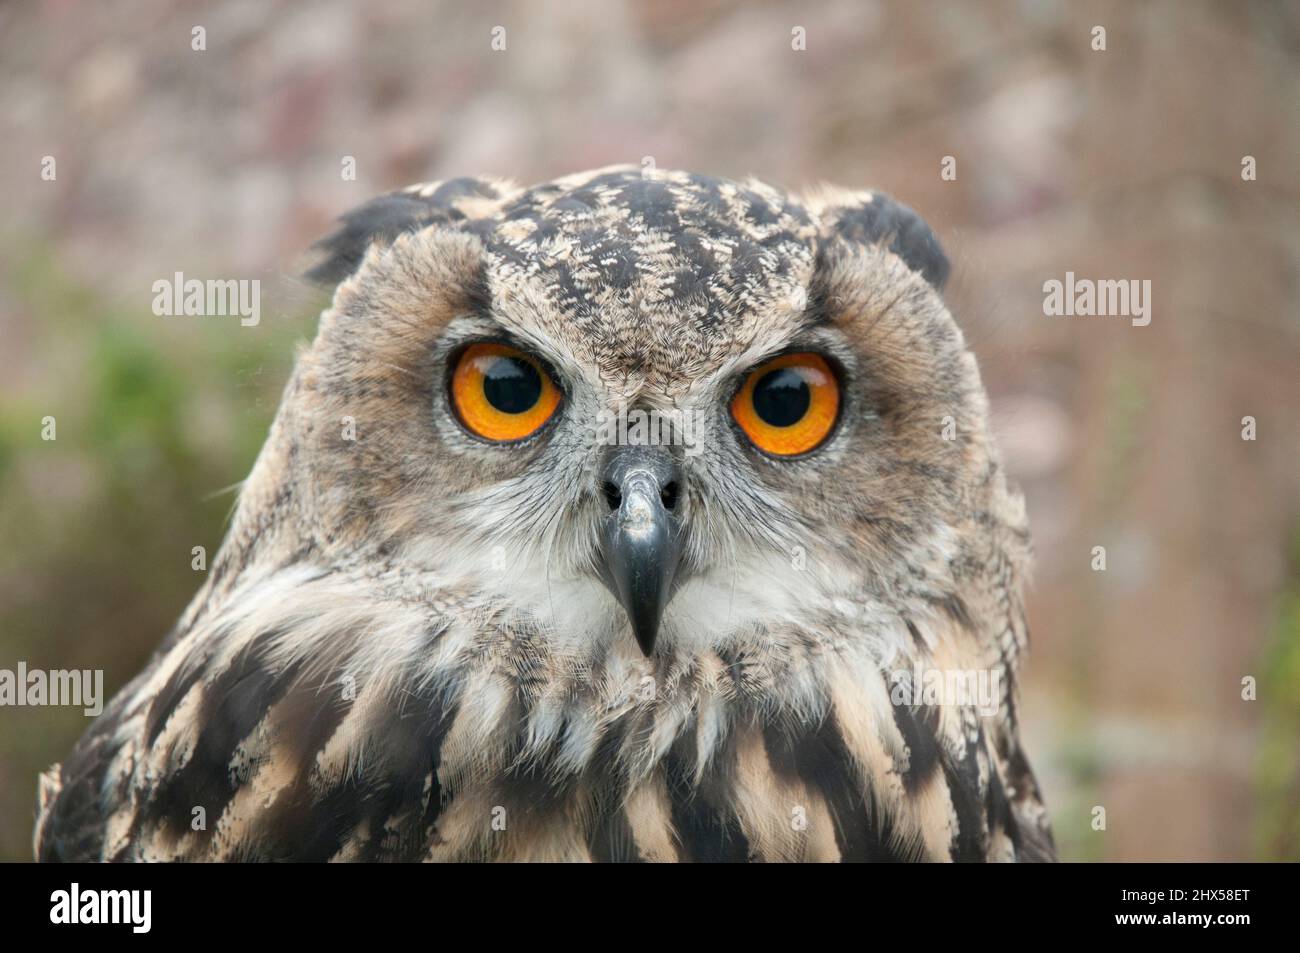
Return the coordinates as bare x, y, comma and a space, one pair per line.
500, 393
789, 405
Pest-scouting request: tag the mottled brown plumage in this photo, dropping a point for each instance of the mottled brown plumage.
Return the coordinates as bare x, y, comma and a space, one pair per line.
405, 649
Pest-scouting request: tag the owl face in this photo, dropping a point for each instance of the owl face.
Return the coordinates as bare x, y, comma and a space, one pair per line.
643, 411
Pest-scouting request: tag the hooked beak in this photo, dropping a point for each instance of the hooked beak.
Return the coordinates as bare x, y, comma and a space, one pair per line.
641, 537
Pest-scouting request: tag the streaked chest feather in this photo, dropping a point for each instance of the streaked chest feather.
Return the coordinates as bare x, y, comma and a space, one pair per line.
321, 735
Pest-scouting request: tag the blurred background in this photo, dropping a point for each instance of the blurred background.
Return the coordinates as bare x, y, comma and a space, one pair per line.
1123, 163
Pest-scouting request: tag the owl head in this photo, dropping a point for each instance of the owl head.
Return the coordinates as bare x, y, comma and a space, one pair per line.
639, 411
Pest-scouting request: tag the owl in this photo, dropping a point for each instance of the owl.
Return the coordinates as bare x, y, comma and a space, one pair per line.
638, 515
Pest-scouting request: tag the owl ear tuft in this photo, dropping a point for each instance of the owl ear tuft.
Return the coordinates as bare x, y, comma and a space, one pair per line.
875, 217
382, 219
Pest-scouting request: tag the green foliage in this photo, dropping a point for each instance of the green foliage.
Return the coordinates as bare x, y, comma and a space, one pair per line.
155, 417
1278, 770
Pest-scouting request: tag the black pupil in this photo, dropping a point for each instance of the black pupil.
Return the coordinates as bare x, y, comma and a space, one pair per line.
781, 397
512, 385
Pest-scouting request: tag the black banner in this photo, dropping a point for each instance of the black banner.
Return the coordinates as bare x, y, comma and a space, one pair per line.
140, 903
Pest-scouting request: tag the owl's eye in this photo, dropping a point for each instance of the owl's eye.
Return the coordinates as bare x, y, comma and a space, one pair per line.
500, 393
789, 405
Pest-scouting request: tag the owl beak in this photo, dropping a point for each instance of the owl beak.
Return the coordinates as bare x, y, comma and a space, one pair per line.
642, 543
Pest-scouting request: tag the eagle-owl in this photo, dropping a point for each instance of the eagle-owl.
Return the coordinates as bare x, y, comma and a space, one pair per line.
458, 616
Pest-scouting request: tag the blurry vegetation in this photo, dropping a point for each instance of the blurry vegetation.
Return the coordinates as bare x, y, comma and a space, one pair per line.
1278, 775
1081, 760
155, 419
1072, 818
1126, 405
